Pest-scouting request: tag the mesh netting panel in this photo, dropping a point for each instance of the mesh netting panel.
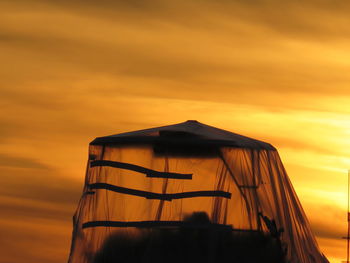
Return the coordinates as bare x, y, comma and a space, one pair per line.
131, 191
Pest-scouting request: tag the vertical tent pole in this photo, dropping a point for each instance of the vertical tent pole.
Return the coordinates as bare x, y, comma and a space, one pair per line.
348, 237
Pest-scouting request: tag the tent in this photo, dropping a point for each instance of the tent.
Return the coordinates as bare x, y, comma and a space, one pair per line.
160, 178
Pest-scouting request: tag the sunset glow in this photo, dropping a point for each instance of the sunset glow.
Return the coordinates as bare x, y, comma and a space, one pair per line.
277, 71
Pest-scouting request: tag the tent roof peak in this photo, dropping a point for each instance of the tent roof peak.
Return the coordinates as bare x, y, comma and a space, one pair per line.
190, 131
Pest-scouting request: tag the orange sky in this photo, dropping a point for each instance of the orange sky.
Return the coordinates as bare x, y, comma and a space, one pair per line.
70, 71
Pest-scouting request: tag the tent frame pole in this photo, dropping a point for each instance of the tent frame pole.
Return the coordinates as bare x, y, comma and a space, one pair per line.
348, 217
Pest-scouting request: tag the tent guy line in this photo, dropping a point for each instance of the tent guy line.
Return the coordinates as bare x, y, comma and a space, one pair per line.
151, 195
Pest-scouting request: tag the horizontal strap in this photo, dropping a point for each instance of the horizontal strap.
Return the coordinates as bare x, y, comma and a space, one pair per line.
152, 224
140, 169
151, 195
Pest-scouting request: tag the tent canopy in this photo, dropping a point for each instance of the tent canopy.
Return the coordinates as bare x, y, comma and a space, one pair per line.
187, 175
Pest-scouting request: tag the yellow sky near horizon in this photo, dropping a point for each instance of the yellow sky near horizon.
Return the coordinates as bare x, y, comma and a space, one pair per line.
273, 70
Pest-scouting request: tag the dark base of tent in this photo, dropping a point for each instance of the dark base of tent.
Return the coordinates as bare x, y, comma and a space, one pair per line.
182, 245
191, 246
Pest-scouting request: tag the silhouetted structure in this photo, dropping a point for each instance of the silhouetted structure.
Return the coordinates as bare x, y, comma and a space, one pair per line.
199, 241
189, 193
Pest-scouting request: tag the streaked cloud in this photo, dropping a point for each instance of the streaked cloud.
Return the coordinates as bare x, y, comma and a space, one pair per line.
20, 162
74, 70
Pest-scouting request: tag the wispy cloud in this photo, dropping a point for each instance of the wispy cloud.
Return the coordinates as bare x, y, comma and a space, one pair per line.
74, 70
20, 162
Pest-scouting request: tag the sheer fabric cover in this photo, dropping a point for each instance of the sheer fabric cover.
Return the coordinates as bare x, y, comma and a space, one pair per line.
255, 179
